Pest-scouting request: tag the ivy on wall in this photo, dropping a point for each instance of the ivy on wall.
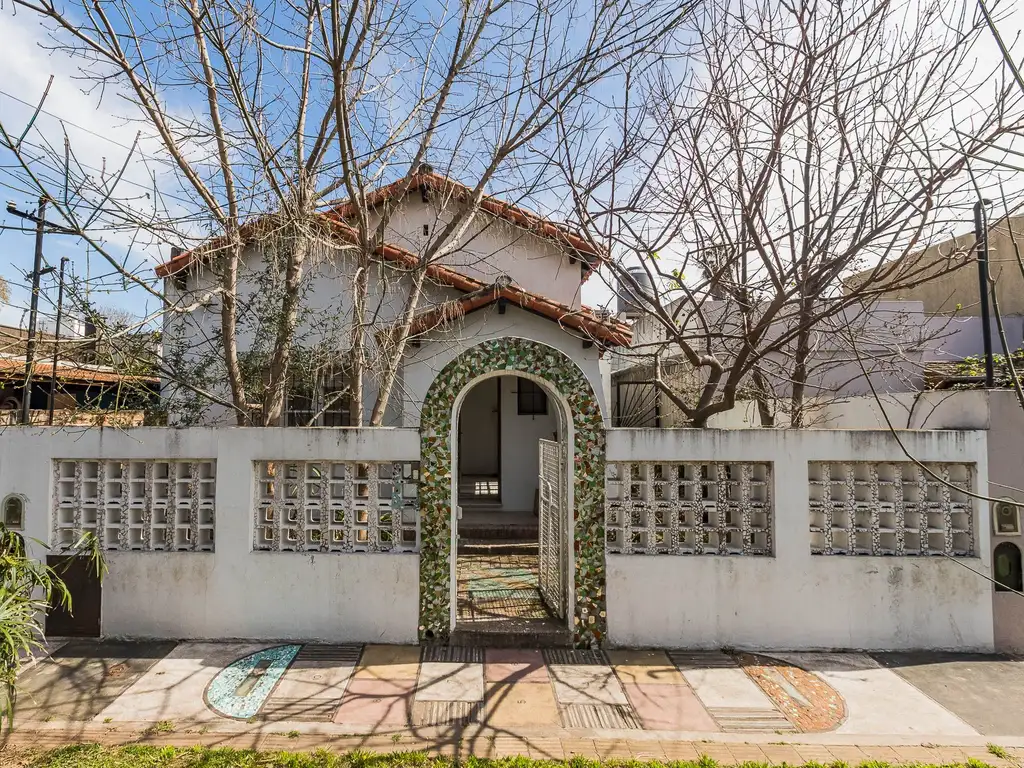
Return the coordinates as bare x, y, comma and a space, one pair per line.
513, 355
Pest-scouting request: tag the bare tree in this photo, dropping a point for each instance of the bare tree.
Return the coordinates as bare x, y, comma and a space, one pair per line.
807, 142
256, 121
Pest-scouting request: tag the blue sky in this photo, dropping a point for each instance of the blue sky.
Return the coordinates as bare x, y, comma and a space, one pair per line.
101, 137
101, 134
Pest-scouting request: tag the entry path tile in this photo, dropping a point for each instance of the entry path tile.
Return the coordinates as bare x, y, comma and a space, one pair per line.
512, 665
369, 701
645, 668
450, 681
586, 684
877, 699
520, 705
174, 687
389, 662
668, 707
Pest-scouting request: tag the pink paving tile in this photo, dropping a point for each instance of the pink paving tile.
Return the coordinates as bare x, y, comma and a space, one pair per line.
376, 702
668, 707
511, 665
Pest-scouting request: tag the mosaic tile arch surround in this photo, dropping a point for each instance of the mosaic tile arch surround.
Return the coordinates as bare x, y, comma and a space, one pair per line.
513, 355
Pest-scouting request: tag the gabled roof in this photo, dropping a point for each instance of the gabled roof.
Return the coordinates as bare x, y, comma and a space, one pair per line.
584, 320
480, 294
427, 179
423, 179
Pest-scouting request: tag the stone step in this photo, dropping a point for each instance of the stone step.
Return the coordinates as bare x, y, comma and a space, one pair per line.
543, 636
476, 546
482, 532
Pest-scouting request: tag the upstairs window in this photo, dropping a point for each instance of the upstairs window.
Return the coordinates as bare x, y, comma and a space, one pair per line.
531, 398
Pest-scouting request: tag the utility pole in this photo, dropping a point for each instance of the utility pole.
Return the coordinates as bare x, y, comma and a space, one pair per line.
42, 225
56, 339
981, 240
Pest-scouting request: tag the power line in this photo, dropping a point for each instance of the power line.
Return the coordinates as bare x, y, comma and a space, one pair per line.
610, 47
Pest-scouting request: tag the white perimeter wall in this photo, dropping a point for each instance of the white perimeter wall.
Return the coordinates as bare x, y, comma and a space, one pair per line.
232, 592
796, 600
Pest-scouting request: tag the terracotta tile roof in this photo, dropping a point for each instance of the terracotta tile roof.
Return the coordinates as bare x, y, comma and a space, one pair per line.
513, 213
13, 367
584, 319
504, 210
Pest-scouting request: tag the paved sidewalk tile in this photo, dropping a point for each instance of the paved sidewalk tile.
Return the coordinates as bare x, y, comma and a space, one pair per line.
878, 701
586, 684
726, 688
782, 753
668, 707
718, 752
376, 702
519, 705
547, 749
450, 681
389, 662
515, 666
645, 667
174, 688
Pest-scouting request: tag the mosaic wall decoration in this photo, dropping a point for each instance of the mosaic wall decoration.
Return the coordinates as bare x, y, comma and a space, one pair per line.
336, 506
689, 508
513, 356
866, 508
135, 505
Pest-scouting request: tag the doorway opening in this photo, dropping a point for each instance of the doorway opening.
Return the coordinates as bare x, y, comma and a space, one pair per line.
511, 564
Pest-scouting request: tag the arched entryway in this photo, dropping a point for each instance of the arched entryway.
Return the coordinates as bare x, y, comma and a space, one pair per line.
563, 379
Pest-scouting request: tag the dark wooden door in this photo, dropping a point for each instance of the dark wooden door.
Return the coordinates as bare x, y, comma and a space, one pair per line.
84, 585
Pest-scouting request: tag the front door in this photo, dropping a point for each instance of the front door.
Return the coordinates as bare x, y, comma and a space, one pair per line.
80, 577
551, 511
480, 431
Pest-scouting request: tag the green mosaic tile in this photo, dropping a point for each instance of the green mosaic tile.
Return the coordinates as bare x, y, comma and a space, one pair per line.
513, 355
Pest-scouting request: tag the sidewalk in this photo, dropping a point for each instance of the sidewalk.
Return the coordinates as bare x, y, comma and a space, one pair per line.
554, 704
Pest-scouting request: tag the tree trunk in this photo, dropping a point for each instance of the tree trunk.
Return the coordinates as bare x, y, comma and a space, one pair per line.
228, 330
274, 401
761, 393
357, 345
394, 356
799, 377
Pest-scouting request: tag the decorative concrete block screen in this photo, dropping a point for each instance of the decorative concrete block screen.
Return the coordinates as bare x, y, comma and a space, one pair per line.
337, 506
135, 505
688, 508
866, 508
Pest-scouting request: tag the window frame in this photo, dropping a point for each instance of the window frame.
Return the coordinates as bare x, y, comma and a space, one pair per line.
527, 393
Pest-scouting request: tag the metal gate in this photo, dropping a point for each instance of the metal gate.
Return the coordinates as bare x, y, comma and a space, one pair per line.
552, 518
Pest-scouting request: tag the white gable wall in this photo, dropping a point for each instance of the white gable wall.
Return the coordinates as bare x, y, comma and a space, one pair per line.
489, 248
424, 363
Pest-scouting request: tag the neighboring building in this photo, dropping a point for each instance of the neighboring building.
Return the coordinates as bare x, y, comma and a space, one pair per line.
956, 291
83, 394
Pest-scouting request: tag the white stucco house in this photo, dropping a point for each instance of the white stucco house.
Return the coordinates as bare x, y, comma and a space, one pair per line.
640, 537
511, 275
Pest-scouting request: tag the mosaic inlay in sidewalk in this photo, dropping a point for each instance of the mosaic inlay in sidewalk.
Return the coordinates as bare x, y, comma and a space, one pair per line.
381, 688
